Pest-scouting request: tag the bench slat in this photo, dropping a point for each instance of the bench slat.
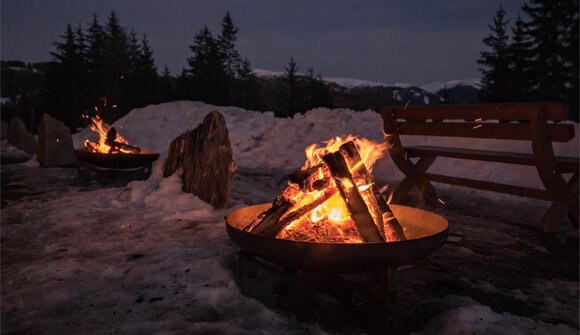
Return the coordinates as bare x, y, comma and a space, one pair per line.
489, 186
506, 111
506, 131
566, 164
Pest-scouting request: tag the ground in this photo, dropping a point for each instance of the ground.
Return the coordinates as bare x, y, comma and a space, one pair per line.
81, 257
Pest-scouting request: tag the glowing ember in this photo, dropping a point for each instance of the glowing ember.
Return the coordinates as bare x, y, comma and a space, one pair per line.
333, 198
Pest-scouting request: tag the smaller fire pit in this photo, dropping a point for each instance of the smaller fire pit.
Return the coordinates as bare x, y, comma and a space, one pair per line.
117, 161
112, 157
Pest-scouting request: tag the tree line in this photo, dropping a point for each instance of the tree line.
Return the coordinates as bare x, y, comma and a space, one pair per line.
112, 68
535, 58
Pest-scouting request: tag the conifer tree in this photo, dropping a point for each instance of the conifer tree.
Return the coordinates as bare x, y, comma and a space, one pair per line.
116, 57
316, 92
227, 46
247, 88
495, 86
288, 93
520, 63
95, 59
207, 73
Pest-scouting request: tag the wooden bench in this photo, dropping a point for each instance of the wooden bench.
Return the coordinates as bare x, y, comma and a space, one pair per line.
473, 121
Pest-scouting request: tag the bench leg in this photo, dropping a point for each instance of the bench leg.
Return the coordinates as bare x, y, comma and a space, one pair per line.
416, 177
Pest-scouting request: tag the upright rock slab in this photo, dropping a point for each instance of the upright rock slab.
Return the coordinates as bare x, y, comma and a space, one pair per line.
19, 136
205, 155
55, 144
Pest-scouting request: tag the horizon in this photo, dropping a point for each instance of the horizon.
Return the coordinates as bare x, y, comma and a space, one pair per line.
391, 42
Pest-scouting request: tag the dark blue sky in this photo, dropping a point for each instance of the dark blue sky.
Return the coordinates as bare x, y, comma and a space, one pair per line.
416, 41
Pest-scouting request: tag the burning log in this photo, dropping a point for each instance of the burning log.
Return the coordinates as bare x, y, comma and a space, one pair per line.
315, 178
272, 221
388, 225
116, 146
354, 201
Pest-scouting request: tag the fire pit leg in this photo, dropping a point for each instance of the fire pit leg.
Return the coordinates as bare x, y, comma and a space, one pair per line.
367, 295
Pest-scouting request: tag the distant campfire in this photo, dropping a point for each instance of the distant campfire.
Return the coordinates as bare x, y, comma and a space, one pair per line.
112, 152
332, 198
110, 141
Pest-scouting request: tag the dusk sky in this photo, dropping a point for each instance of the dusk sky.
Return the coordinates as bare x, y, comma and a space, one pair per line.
415, 41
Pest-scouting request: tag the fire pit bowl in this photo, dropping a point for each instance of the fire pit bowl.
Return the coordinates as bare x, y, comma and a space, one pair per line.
425, 231
117, 161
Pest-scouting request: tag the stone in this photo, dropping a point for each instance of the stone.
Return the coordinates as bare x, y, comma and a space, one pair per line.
55, 144
4, 130
20, 137
205, 156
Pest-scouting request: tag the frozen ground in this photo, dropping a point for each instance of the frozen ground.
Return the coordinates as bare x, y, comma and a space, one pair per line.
84, 258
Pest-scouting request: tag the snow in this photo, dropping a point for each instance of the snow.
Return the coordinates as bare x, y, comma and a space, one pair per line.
149, 258
352, 83
478, 319
257, 140
4, 100
437, 86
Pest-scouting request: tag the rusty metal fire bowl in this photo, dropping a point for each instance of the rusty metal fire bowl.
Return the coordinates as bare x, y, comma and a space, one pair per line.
425, 231
117, 161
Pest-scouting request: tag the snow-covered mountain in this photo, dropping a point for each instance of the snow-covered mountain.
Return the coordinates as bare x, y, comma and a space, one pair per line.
455, 91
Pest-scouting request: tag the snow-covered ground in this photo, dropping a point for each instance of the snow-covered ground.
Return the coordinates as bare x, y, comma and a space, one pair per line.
79, 257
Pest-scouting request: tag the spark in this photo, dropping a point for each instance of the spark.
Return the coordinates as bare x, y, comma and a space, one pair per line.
478, 126
479, 120
406, 105
441, 201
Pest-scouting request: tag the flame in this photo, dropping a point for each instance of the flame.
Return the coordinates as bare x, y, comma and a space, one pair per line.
101, 128
369, 151
331, 219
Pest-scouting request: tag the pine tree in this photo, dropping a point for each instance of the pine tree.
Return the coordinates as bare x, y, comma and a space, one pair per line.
166, 91
66, 78
247, 88
520, 63
495, 86
316, 92
553, 33
288, 93
148, 72
95, 59
207, 72
227, 46
116, 68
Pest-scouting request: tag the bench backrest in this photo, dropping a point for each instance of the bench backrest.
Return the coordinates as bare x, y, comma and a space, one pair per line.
474, 120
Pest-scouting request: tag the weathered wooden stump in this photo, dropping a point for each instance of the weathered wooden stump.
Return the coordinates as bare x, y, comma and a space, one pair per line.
205, 156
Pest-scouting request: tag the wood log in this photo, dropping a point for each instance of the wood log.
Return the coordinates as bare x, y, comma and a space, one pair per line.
312, 179
273, 229
205, 155
272, 221
118, 146
355, 203
385, 220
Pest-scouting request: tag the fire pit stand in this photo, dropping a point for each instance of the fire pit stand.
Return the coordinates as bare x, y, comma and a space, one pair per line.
362, 292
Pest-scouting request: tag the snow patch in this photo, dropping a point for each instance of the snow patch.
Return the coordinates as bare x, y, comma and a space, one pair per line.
479, 319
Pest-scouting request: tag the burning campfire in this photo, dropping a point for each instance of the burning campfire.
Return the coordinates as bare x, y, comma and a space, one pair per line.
110, 142
332, 198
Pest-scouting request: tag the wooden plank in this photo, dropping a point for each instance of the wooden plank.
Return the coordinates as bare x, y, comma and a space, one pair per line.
355, 203
489, 186
504, 131
566, 164
507, 111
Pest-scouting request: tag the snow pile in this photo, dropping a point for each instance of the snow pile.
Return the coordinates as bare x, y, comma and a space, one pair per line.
479, 319
261, 141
